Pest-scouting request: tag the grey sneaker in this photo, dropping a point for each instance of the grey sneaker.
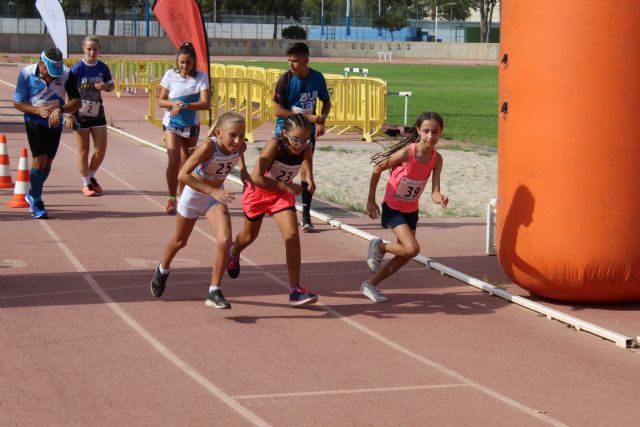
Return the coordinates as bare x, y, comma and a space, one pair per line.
374, 258
372, 292
158, 283
216, 299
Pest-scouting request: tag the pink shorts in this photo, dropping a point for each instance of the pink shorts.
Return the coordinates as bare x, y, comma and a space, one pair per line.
256, 203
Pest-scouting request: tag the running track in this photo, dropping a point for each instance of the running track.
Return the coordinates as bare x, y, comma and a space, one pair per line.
83, 342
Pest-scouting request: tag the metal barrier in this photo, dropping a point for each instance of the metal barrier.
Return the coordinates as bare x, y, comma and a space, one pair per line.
358, 103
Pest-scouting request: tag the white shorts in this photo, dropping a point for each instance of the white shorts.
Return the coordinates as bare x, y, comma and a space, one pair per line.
193, 203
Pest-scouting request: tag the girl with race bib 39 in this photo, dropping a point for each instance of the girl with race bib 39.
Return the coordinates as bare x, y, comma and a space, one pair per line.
203, 175
274, 194
412, 161
89, 121
184, 91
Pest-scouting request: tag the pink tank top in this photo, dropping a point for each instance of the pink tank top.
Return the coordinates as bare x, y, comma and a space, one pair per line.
407, 181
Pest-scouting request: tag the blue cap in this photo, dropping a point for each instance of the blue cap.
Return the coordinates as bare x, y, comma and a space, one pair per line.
55, 68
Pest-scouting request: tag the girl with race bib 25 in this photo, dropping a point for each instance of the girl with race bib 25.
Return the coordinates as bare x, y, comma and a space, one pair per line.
412, 161
274, 194
203, 175
184, 91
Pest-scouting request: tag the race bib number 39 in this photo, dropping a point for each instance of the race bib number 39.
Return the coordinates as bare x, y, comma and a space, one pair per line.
89, 108
409, 189
282, 172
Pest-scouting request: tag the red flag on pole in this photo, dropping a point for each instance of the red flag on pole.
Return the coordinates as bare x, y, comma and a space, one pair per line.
182, 21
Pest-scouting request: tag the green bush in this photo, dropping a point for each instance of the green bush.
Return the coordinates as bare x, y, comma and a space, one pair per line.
294, 32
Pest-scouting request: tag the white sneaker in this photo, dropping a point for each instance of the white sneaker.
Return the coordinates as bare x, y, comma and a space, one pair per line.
372, 292
374, 258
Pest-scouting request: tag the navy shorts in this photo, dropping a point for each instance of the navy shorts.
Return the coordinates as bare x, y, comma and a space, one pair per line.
43, 140
392, 218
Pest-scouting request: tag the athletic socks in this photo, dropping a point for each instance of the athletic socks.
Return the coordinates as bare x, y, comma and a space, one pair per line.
306, 199
92, 174
162, 270
86, 180
213, 288
36, 179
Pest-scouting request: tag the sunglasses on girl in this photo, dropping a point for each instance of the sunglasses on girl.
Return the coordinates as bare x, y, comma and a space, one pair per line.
296, 140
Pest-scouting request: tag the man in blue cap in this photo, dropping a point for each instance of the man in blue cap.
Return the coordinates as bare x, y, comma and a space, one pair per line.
41, 92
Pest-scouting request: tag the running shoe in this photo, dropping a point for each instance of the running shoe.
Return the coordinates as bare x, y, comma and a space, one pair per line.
172, 206
374, 258
305, 225
216, 299
158, 283
29, 199
39, 212
371, 292
233, 265
88, 191
302, 296
96, 186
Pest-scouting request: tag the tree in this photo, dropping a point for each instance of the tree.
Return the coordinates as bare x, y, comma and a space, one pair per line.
390, 23
486, 8
286, 8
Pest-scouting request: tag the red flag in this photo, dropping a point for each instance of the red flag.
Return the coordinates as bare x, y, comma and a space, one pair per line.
182, 21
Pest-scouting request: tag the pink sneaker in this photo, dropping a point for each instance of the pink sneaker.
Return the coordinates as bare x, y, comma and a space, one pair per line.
88, 191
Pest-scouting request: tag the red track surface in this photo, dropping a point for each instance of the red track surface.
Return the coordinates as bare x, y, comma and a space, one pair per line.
82, 342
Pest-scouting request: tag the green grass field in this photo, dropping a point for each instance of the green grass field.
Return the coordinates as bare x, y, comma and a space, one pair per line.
466, 96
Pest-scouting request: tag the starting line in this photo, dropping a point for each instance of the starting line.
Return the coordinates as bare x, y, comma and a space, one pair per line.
550, 313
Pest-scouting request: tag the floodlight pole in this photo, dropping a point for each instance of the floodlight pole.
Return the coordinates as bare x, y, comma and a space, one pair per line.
146, 17
322, 17
348, 8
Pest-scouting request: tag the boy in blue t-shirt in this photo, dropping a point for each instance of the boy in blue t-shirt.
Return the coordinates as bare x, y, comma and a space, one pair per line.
298, 91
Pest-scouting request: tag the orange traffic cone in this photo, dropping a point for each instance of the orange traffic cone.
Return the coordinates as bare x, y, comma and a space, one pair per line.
22, 183
5, 168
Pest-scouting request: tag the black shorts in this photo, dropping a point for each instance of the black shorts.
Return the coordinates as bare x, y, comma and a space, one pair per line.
391, 218
43, 140
91, 122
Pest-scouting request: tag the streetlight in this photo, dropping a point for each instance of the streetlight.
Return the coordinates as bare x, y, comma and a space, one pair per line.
348, 8
435, 31
322, 17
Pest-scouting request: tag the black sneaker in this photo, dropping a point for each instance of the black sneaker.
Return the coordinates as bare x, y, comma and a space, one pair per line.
216, 299
158, 283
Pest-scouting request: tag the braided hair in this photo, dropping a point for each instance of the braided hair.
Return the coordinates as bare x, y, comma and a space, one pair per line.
410, 136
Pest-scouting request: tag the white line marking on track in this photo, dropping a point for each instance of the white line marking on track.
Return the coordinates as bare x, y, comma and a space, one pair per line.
352, 391
155, 343
8, 84
380, 338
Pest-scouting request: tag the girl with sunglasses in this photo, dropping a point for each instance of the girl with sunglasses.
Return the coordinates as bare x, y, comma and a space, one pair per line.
274, 193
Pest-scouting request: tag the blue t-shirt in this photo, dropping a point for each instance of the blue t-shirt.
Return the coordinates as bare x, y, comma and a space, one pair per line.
300, 95
87, 76
32, 89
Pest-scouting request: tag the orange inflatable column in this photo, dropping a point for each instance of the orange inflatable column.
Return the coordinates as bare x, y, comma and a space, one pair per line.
569, 149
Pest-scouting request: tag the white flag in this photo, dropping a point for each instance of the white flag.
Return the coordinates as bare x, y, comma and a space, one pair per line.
53, 16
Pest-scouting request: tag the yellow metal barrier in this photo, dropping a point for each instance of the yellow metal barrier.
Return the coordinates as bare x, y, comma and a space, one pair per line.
358, 103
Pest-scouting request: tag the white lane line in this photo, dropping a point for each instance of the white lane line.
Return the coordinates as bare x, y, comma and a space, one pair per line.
328, 309
392, 344
8, 84
352, 391
155, 343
